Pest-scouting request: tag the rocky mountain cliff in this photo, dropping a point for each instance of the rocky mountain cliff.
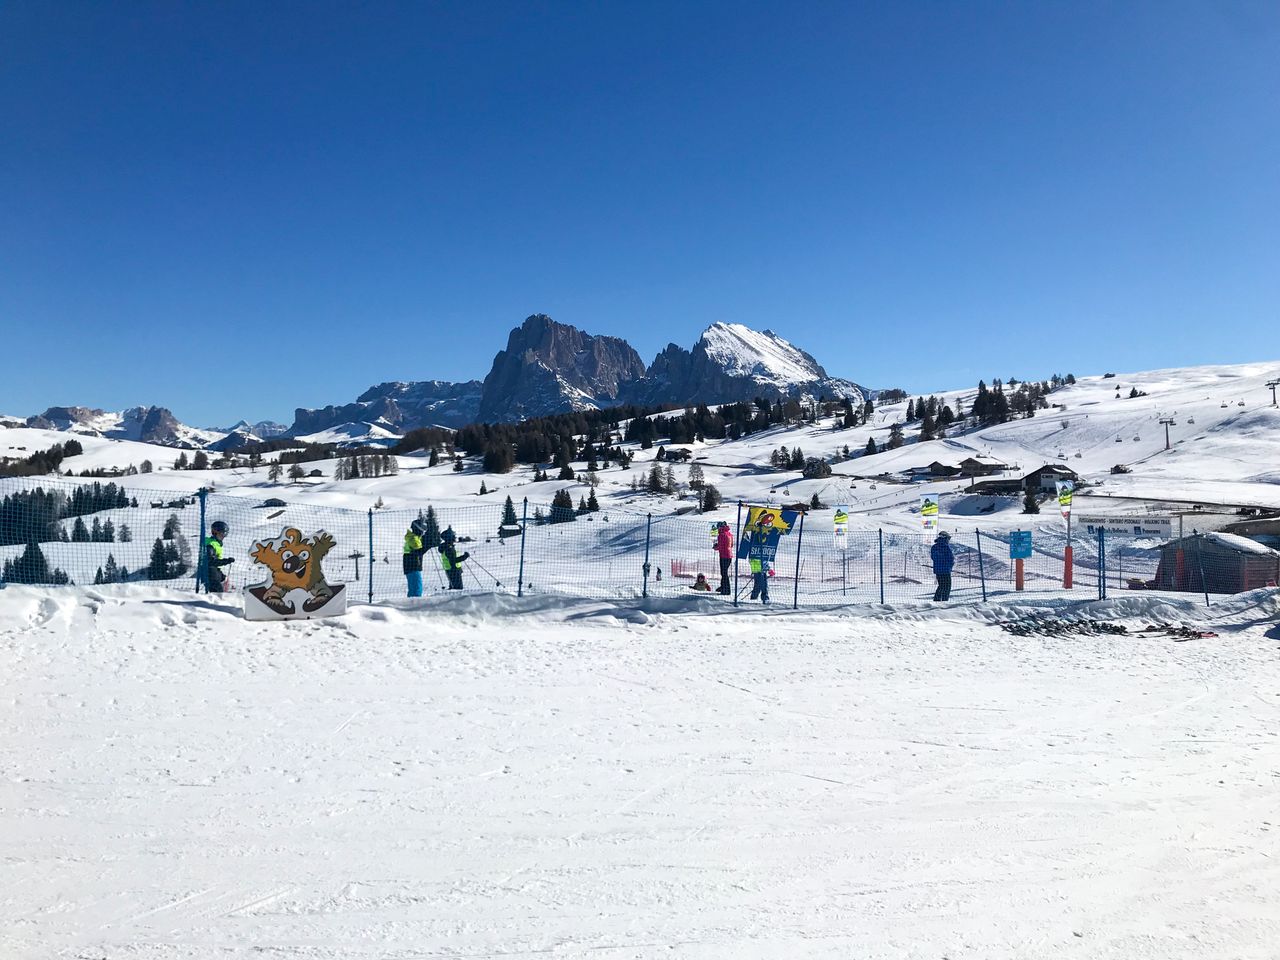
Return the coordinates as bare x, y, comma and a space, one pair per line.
550, 367
396, 407
144, 424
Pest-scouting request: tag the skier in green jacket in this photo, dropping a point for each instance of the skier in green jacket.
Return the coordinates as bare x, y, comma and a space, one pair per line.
450, 560
215, 581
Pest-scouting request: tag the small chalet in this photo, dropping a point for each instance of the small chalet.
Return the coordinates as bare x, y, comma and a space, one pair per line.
1045, 479
981, 467
1216, 563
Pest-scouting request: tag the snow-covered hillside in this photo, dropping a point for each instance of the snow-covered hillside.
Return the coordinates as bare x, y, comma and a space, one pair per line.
1223, 454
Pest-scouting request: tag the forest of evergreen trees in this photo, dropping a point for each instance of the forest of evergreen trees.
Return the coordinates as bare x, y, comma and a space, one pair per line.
32, 516
41, 462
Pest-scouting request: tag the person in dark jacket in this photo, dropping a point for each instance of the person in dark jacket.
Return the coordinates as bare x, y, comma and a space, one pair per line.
943, 561
413, 551
724, 550
450, 560
215, 581
759, 561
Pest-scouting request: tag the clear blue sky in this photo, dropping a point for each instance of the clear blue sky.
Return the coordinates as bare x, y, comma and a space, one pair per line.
235, 208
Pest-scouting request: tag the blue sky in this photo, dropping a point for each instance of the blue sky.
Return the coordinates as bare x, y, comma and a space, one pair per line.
234, 209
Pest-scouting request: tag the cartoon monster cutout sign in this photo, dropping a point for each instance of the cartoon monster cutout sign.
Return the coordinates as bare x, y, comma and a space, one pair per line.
297, 589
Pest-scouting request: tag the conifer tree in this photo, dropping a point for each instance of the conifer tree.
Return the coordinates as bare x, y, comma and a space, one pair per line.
710, 498
156, 567
509, 518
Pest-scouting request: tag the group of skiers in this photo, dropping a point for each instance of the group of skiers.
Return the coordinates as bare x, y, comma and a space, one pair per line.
757, 559
215, 579
415, 548
940, 554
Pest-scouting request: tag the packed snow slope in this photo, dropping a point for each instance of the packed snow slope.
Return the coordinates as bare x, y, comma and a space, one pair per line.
486, 777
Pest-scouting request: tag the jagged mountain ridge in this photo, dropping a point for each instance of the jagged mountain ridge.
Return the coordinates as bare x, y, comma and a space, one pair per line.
395, 407
144, 424
733, 362
547, 367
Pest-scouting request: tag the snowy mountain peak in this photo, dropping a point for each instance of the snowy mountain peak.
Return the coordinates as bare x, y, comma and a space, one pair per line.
762, 356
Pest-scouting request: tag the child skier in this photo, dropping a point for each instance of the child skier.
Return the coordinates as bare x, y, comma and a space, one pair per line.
413, 551
215, 581
450, 560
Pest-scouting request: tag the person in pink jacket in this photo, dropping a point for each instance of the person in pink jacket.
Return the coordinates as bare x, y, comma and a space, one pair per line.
724, 550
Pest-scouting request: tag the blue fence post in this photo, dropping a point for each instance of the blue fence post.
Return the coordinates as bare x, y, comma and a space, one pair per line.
982, 571
738, 531
371, 555
524, 525
882, 566
795, 596
1102, 564
200, 555
648, 530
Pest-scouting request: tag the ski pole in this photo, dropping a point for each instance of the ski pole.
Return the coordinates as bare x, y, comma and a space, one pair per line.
486, 570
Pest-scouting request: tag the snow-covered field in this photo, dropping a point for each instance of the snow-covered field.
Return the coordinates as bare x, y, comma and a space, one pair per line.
488, 777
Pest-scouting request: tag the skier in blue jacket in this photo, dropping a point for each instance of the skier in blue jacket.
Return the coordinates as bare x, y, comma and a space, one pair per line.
943, 561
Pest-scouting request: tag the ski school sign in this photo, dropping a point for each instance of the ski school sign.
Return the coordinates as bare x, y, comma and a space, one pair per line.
760, 534
929, 513
1130, 526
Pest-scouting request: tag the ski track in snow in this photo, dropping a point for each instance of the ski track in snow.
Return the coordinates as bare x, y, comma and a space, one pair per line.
487, 780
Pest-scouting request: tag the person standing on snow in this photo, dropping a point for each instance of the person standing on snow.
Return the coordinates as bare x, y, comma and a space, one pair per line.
450, 560
943, 561
413, 551
757, 559
724, 550
215, 581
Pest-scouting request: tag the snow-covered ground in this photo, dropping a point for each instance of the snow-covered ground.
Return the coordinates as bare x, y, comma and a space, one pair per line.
489, 777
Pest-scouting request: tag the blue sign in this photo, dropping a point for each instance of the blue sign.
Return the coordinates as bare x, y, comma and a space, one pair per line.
1020, 545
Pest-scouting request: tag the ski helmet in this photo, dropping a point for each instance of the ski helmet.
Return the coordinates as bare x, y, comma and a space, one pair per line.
419, 527
448, 536
220, 526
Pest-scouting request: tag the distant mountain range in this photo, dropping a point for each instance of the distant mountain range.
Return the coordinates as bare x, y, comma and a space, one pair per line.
546, 368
